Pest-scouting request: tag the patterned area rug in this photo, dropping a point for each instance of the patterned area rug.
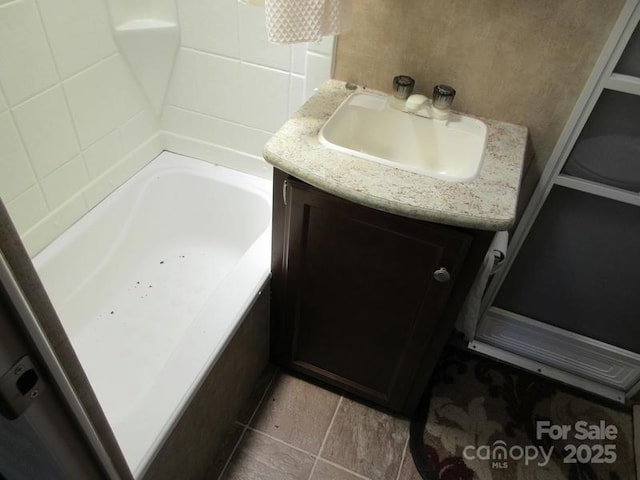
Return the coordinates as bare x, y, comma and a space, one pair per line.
483, 420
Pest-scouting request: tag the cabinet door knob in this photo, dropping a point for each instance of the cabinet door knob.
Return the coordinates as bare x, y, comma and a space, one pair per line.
442, 275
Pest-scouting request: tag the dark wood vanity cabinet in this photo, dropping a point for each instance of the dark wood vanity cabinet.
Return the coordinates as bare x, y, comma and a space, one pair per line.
364, 300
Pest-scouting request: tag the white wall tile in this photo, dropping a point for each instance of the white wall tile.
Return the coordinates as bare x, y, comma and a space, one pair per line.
26, 65
64, 182
299, 58
79, 32
263, 97
207, 84
103, 154
138, 130
27, 209
318, 71
98, 191
219, 155
139, 158
129, 99
210, 26
121, 172
3, 103
324, 46
45, 125
296, 93
44, 232
254, 46
183, 122
16, 175
205, 90
38, 237
102, 98
214, 130
99, 107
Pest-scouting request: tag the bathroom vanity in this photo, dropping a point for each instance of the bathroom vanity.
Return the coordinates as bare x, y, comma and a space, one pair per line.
363, 299
372, 263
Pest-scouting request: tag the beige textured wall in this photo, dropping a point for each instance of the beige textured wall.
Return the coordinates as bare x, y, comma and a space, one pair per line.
521, 61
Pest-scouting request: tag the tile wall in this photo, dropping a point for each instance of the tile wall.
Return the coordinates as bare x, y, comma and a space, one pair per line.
231, 89
73, 122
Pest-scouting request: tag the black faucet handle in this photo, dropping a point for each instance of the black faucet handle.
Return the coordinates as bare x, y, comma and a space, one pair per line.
443, 96
403, 86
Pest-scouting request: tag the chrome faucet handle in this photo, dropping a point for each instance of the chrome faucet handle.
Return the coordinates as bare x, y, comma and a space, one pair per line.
443, 96
403, 86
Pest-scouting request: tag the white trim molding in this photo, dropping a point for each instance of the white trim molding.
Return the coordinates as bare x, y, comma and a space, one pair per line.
566, 356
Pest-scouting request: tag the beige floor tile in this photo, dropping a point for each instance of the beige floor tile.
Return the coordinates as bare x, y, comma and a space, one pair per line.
326, 471
408, 470
262, 458
296, 412
366, 441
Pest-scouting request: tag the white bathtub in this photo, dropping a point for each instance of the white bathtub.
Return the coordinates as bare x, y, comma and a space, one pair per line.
151, 285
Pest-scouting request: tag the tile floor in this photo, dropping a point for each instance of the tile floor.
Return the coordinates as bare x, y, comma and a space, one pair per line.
294, 430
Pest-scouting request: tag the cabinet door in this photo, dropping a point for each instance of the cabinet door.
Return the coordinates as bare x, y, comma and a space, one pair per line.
360, 299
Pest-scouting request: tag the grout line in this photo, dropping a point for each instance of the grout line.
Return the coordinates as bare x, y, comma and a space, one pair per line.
36, 178
235, 59
114, 130
122, 127
74, 122
238, 30
226, 120
30, 160
301, 450
326, 435
89, 67
246, 427
264, 394
235, 447
39, 93
19, 130
10, 2
282, 442
404, 456
208, 143
59, 84
345, 469
290, 80
92, 144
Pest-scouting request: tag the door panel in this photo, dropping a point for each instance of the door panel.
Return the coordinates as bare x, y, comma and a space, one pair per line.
578, 269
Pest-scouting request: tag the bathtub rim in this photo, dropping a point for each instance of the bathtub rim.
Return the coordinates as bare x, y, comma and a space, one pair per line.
192, 390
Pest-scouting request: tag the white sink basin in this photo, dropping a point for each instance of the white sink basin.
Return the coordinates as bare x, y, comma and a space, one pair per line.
367, 127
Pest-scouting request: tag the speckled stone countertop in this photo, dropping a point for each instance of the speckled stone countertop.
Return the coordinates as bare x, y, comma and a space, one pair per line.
487, 203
